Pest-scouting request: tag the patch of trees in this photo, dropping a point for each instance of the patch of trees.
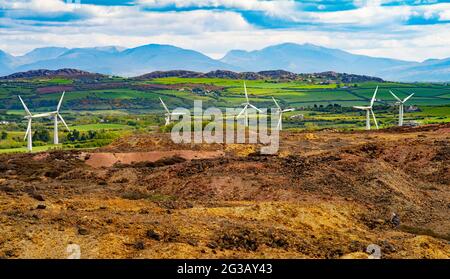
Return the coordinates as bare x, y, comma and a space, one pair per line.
333, 108
75, 135
89, 139
41, 135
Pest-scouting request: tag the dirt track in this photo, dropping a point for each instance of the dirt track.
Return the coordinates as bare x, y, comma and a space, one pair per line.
326, 195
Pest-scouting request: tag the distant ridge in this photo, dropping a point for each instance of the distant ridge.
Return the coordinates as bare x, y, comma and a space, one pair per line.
42, 73
268, 75
271, 75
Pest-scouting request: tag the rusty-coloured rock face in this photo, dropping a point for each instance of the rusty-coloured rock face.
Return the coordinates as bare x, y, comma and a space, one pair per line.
329, 195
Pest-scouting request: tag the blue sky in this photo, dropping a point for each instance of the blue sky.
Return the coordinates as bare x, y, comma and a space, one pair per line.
408, 29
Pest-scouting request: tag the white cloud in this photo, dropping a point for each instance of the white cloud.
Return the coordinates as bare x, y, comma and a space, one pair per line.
37, 5
375, 30
275, 7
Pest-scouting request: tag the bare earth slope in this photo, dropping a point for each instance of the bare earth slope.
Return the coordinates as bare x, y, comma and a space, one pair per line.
326, 195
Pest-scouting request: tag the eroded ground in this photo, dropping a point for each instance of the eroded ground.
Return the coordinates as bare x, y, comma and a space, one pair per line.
325, 195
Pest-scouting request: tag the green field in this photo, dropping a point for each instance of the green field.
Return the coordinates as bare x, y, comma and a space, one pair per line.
133, 96
113, 107
100, 126
24, 149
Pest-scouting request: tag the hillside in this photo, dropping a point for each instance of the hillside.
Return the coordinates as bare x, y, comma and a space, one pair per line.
330, 197
41, 90
270, 75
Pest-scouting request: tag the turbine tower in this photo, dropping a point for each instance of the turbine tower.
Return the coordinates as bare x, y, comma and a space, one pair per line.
168, 114
280, 113
369, 111
400, 107
246, 106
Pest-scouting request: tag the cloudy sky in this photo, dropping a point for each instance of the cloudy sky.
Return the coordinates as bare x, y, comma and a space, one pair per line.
408, 29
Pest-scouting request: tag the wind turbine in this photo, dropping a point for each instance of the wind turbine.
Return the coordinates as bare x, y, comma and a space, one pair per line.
55, 114
369, 111
280, 113
401, 107
246, 106
28, 135
168, 113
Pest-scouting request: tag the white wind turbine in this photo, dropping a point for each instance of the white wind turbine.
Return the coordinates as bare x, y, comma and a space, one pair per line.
369, 111
28, 135
246, 106
168, 114
55, 114
280, 113
401, 107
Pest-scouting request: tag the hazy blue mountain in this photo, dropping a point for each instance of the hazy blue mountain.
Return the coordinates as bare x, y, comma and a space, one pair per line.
308, 58
429, 70
129, 62
5, 63
39, 54
153, 57
86, 59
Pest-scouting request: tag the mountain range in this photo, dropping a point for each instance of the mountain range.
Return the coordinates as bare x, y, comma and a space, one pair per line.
304, 58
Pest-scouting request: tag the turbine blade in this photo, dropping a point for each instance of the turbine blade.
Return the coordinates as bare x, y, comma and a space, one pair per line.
407, 98
24, 106
255, 107
374, 118
41, 115
374, 96
60, 101
276, 103
28, 129
64, 122
177, 113
242, 111
280, 119
286, 110
164, 105
360, 107
245, 91
395, 96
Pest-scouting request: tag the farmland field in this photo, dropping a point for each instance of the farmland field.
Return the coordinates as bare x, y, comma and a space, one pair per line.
116, 106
